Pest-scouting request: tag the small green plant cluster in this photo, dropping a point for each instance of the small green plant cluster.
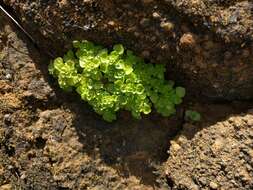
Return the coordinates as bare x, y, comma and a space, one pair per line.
192, 115
110, 81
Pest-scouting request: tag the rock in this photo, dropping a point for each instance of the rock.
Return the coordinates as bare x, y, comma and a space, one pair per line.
174, 146
217, 156
35, 129
187, 40
201, 64
156, 15
167, 26
6, 187
213, 185
231, 20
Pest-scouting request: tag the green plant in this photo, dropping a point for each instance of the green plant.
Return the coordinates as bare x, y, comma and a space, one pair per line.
110, 81
192, 115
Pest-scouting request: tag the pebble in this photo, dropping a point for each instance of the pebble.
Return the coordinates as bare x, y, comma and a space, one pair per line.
23, 176
7, 118
187, 40
10, 167
8, 76
167, 26
202, 180
111, 23
175, 147
213, 185
156, 15
218, 145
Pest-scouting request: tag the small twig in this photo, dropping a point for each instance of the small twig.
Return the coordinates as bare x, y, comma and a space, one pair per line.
23, 30
16, 22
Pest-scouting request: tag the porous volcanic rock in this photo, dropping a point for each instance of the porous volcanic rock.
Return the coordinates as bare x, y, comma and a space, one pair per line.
217, 157
207, 45
41, 142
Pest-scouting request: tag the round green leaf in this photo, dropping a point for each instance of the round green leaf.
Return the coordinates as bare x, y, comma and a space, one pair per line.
180, 91
192, 115
119, 49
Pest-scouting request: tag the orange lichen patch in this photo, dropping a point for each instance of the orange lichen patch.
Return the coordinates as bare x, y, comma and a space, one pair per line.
4, 86
187, 40
10, 100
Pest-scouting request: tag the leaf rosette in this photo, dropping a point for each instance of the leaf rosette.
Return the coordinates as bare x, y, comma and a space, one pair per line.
111, 81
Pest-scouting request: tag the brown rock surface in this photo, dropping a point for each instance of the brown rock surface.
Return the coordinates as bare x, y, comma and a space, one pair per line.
217, 157
51, 140
217, 65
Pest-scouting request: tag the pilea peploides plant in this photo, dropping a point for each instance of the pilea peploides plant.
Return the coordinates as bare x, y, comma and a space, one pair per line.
114, 80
